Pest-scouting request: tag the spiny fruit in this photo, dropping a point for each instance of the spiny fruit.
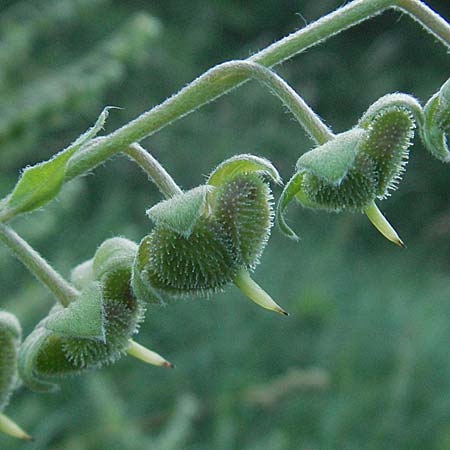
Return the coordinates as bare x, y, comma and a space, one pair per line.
95, 329
10, 337
354, 168
207, 237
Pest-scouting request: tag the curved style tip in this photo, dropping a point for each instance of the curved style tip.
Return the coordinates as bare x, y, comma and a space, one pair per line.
146, 355
254, 292
382, 225
12, 429
401, 244
282, 311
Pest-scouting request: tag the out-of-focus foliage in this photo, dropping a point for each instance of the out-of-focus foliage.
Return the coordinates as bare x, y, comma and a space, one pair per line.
362, 361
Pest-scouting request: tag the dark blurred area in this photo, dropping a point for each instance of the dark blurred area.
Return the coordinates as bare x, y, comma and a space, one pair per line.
362, 362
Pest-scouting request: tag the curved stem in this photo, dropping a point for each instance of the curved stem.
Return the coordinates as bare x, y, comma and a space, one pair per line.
221, 79
38, 266
201, 91
165, 183
430, 20
304, 114
215, 82
346, 17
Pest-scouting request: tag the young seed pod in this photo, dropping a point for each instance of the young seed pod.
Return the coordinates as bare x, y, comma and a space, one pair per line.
356, 167
95, 329
10, 336
436, 127
204, 238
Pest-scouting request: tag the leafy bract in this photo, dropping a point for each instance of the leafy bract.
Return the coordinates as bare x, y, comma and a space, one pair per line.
244, 163
83, 318
114, 254
42, 182
332, 160
181, 212
436, 126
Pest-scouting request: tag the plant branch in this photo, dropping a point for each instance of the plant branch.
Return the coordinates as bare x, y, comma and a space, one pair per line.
154, 170
38, 266
219, 80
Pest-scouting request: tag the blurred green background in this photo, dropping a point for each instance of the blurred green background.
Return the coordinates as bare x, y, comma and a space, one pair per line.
363, 360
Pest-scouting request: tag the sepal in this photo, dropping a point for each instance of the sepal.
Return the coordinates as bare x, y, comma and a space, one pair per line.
436, 129
242, 164
83, 318
181, 212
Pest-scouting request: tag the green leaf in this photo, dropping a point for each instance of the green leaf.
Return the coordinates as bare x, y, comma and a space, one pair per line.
42, 182
242, 164
83, 318
289, 192
181, 212
331, 161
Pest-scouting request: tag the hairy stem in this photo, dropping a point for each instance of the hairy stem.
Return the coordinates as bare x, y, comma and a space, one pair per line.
165, 183
220, 80
304, 114
38, 266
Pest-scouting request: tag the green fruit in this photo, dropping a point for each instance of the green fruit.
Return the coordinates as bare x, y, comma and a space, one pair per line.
229, 233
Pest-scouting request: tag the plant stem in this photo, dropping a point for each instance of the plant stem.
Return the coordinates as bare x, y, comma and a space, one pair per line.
165, 183
220, 80
38, 266
346, 17
304, 114
431, 21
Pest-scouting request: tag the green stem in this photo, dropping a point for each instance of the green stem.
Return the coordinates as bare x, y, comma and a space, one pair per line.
220, 79
38, 266
165, 183
431, 21
199, 92
346, 17
304, 114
